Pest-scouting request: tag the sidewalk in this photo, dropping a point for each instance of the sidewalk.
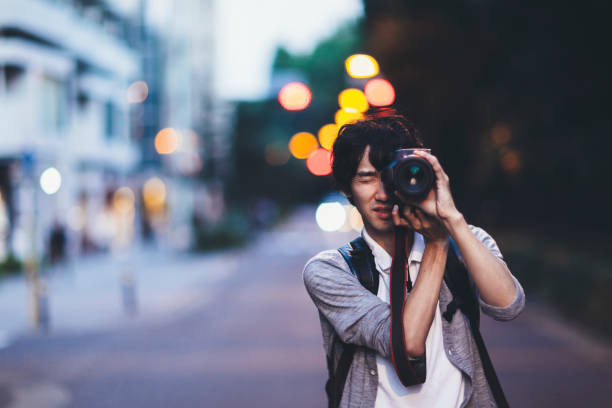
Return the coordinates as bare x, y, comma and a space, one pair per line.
104, 290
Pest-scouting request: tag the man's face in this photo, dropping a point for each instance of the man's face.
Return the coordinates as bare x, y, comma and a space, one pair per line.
370, 198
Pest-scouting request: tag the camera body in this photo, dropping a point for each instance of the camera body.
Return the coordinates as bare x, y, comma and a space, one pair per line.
410, 175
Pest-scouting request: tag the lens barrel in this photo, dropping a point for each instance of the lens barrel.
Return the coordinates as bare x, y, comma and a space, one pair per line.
410, 175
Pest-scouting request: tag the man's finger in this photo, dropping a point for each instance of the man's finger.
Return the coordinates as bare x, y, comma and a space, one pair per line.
413, 218
423, 218
398, 219
435, 164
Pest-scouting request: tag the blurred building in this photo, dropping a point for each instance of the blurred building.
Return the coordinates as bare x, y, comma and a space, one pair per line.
65, 66
188, 105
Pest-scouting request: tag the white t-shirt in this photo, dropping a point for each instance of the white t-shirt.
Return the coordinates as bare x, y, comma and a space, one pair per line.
444, 385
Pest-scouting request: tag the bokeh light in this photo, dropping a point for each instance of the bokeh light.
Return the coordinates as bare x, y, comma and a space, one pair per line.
327, 135
276, 154
50, 180
154, 194
352, 98
330, 216
137, 92
294, 96
166, 141
501, 134
123, 201
319, 162
511, 161
361, 66
379, 92
302, 144
344, 116
76, 218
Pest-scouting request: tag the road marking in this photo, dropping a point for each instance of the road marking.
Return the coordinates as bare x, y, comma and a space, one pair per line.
40, 395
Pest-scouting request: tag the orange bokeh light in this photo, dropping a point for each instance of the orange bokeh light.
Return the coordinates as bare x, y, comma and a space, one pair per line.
294, 96
166, 141
319, 162
302, 144
379, 92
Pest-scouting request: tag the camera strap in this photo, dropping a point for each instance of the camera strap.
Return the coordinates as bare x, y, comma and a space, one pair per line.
410, 371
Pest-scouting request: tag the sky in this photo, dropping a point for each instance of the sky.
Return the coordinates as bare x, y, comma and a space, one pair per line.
247, 33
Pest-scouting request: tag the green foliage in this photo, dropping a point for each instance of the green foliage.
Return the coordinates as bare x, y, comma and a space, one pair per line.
232, 230
578, 282
10, 265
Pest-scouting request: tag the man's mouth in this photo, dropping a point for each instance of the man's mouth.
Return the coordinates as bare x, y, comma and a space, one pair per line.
383, 212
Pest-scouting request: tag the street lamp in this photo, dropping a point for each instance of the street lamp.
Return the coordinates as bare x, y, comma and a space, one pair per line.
50, 181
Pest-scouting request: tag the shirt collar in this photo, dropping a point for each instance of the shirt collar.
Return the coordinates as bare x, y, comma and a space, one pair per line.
383, 260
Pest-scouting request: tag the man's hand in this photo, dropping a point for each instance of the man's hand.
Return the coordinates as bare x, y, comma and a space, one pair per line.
438, 203
415, 219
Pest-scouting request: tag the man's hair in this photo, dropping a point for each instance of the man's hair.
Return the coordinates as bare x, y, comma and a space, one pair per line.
383, 134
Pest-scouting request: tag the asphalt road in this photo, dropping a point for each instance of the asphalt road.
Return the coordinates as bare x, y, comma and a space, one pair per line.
251, 339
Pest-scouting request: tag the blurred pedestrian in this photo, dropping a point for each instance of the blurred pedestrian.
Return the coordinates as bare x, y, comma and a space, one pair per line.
432, 354
57, 243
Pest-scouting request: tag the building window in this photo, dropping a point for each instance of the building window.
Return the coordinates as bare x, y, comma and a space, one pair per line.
54, 97
109, 120
12, 75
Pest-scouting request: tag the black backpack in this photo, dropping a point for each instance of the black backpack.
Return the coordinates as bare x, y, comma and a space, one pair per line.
361, 264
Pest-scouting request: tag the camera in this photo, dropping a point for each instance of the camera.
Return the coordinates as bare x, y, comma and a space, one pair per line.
410, 175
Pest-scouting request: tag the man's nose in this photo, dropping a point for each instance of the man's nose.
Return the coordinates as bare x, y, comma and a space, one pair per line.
381, 193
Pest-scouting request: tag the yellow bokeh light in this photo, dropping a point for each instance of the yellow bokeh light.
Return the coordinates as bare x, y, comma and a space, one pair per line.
302, 144
344, 116
154, 194
327, 135
166, 141
361, 66
353, 99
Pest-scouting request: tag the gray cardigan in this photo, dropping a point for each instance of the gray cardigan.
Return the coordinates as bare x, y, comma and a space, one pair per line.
359, 317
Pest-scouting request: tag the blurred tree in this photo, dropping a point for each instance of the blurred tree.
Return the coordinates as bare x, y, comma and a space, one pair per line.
263, 128
514, 99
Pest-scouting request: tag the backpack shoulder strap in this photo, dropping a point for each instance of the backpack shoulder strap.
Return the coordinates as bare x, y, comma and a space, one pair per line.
460, 286
360, 260
465, 299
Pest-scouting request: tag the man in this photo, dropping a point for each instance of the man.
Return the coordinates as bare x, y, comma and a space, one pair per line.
354, 315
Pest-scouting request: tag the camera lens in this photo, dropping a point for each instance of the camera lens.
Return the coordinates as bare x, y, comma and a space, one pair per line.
409, 174
413, 177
